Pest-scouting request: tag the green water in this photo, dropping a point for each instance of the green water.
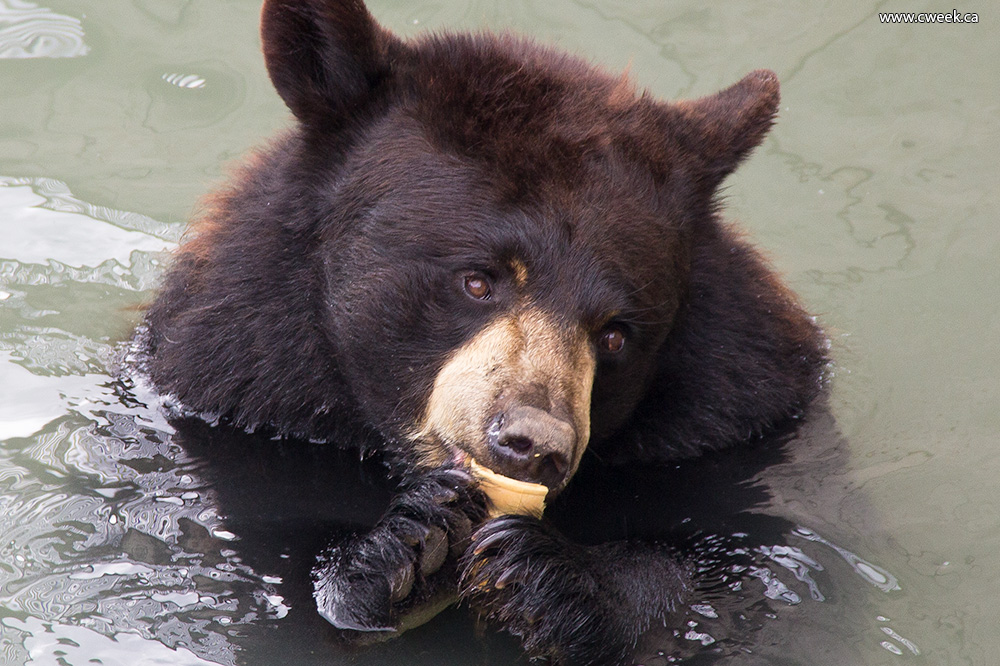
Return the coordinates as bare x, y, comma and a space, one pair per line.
875, 195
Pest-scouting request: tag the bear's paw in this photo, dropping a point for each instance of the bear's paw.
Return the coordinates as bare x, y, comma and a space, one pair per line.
402, 572
545, 590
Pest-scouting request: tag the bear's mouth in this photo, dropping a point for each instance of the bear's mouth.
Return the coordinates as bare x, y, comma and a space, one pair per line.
510, 496
522, 452
506, 495
459, 457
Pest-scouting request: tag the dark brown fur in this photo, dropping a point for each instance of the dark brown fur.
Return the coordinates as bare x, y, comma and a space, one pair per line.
321, 294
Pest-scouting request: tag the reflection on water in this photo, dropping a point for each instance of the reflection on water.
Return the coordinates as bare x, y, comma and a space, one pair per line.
126, 540
59, 258
30, 31
184, 80
875, 575
53, 195
109, 531
54, 643
110, 545
41, 222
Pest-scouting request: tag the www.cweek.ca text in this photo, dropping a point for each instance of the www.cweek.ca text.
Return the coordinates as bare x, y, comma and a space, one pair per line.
954, 16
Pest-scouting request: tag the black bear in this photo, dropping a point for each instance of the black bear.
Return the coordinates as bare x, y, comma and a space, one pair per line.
470, 248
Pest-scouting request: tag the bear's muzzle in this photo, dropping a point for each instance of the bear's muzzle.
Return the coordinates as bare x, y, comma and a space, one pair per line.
516, 397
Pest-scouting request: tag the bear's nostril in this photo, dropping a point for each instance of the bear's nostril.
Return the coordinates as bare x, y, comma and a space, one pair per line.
521, 445
555, 465
550, 469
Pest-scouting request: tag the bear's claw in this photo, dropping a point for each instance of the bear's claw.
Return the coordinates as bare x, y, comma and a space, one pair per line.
375, 581
544, 589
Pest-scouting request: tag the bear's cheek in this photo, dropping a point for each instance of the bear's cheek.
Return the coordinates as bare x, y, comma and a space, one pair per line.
515, 397
392, 330
615, 400
626, 380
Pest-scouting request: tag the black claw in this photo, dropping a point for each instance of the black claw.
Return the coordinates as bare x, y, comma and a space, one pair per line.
482, 544
543, 589
461, 476
434, 552
506, 577
401, 584
445, 495
374, 582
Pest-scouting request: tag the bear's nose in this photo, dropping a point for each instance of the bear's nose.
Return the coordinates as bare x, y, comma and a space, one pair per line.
529, 444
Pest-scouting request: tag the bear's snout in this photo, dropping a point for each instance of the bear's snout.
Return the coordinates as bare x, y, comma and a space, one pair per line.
529, 444
516, 398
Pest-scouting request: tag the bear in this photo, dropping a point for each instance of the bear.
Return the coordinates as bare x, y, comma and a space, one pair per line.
473, 249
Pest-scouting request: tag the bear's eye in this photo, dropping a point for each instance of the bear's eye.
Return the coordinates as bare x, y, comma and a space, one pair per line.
477, 286
612, 340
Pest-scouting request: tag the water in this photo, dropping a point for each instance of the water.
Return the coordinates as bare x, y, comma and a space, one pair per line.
874, 538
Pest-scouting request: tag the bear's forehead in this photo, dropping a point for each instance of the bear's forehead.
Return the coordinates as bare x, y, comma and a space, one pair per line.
499, 150
540, 114
584, 249
426, 197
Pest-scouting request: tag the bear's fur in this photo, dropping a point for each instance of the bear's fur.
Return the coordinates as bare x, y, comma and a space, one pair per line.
473, 246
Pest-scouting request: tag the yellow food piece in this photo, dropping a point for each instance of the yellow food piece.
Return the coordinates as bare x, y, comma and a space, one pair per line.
510, 496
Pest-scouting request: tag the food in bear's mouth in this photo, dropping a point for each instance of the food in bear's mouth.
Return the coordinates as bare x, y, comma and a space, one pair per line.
509, 496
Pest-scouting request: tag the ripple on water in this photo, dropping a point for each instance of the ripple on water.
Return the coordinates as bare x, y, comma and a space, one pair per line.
42, 222
52, 643
30, 31
110, 543
63, 261
749, 594
90, 549
189, 81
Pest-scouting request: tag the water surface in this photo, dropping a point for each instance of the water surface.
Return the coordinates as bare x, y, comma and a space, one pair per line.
876, 533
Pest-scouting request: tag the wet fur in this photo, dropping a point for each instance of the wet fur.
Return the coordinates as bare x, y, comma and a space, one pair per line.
310, 299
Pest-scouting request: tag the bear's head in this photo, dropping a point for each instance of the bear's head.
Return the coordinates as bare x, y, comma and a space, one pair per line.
478, 247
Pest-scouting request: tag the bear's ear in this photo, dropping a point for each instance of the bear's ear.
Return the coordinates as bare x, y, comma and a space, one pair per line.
721, 129
325, 56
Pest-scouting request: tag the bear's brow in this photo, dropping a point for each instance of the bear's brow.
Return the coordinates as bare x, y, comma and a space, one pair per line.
520, 270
